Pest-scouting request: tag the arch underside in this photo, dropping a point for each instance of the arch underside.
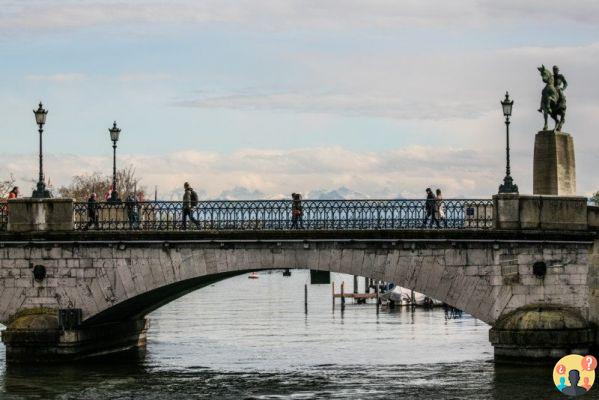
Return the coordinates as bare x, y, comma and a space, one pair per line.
142, 304
484, 279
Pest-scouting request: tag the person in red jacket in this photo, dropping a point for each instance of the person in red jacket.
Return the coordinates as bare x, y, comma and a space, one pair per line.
14, 193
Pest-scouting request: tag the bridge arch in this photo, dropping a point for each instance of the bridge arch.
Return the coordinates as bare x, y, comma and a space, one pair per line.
145, 279
113, 280
118, 280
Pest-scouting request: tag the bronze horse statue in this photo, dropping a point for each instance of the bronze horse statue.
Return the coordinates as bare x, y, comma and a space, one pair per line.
553, 101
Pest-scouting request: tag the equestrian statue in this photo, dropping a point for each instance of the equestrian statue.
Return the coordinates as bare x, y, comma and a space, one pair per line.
553, 100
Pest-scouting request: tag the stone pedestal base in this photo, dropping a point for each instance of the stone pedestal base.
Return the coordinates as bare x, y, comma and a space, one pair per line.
39, 339
554, 169
541, 333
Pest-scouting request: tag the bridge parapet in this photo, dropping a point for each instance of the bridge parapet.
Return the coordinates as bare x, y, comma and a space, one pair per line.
340, 215
593, 217
39, 215
539, 212
504, 212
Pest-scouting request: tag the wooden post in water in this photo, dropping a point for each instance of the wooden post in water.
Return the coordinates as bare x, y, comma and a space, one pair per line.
366, 285
378, 301
355, 284
413, 298
306, 298
333, 289
342, 295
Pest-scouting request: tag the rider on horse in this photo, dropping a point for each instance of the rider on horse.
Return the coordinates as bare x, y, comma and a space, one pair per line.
553, 99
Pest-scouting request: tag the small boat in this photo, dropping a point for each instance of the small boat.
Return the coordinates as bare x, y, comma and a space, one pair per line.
403, 296
253, 275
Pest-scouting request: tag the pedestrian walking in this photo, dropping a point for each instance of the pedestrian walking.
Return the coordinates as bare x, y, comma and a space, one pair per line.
131, 206
440, 208
108, 194
297, 211
190, 201
430, 209
14, 193
92, 211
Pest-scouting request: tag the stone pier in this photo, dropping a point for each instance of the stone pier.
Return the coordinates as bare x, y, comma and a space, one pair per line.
36, 335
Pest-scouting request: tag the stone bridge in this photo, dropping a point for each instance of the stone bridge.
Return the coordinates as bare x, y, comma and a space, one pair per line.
533, 277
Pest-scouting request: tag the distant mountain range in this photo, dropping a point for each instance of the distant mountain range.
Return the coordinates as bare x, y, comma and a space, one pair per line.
243, 193
240, 193
341, 193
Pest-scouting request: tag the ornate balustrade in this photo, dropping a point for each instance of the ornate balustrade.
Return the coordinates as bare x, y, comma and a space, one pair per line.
277, 215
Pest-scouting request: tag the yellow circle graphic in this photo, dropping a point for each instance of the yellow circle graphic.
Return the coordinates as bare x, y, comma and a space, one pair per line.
574, 375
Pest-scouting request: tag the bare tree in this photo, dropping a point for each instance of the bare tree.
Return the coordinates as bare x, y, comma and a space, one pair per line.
83, 185
6, 186
595, 198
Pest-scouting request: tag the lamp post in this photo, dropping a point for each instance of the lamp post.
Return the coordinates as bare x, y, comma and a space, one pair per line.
508, 185
114, 136
41, 192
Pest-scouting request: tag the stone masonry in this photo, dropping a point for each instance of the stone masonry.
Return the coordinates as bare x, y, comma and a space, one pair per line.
554, 167
119, 280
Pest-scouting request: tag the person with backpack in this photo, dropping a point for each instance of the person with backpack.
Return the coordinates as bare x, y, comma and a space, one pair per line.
190, 201
296, 211
131, 206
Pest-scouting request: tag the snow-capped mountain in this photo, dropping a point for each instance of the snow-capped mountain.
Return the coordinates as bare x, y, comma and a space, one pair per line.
341, 193
241, 193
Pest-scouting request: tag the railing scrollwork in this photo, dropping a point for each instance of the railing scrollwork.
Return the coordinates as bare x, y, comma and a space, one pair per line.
277, 215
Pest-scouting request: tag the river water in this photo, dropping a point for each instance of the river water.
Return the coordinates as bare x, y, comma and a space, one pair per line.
250, 339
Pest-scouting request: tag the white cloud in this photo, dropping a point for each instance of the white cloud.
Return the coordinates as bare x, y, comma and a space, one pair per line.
144, 76
276, 173
383, 15
60, 78
384, 105
454, 97
453, 94
319, 171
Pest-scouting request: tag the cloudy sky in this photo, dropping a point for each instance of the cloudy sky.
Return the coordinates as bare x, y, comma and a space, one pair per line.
268, 97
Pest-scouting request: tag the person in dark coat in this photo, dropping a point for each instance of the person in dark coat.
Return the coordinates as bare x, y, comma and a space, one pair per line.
296, 211
430, 207
190, 201
131, 207
92, 211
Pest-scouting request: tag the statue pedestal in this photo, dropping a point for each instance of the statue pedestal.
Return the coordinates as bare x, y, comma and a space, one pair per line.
554, 171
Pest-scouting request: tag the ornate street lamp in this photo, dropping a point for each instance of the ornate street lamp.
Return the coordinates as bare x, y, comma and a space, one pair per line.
114, 136
508, 185
41, 192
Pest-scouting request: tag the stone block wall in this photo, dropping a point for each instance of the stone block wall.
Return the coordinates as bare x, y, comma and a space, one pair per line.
485, 279
554, 168
31, 215
531, 212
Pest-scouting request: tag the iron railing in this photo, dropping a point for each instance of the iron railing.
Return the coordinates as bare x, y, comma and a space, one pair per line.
3, 216
277, 215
